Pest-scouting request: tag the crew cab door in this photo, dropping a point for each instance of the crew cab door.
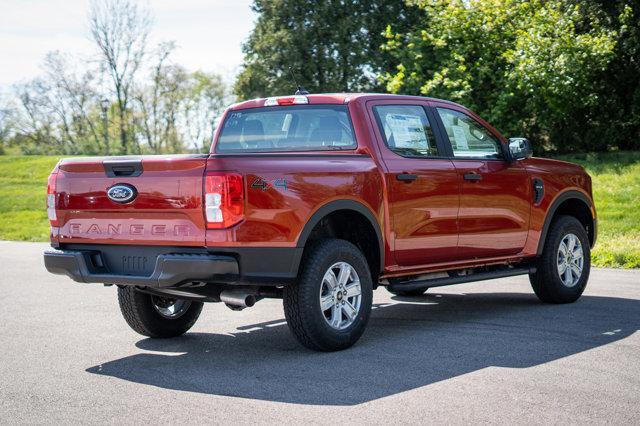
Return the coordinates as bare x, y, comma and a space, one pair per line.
495, 194
422, 183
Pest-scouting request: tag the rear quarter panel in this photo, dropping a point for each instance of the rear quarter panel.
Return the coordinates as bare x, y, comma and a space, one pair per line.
284, 190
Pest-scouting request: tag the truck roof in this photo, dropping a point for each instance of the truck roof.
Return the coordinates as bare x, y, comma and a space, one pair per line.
335, 98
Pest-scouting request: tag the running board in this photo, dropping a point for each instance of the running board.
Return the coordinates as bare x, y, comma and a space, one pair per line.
460, 279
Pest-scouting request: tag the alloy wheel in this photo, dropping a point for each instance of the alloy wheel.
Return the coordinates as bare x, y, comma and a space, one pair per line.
340, 295
570, 260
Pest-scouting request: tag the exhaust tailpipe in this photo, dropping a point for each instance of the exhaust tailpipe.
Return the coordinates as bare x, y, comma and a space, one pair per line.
238, 298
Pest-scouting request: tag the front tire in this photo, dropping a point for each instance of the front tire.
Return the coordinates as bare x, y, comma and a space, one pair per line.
563, 269
155, 316
329, 307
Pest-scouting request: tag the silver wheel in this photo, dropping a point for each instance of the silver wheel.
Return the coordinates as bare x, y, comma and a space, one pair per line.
340, 295
570, 260
170, 308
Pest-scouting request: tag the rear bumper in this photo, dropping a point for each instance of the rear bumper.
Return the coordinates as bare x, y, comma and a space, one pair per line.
163, 266
170, 269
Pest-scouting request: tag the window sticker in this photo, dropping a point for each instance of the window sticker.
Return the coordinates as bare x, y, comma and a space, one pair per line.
407, 130
460, 137
286, 122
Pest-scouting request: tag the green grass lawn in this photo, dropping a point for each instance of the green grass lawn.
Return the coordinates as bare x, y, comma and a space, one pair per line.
23, 185
616, 192
616, 185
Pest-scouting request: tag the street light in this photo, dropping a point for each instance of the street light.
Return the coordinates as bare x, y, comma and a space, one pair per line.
104, 105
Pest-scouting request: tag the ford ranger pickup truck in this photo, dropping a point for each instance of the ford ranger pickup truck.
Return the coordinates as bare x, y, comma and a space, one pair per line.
318, 200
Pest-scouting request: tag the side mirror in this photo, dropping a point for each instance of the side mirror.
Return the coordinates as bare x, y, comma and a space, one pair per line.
519, 148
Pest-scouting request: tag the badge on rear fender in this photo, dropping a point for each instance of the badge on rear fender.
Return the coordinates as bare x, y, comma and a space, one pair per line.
264, 184
122, 193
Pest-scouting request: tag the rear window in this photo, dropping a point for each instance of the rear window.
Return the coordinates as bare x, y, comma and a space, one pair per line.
287, 128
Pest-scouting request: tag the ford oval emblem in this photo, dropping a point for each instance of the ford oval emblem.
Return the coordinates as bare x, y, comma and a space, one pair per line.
122, 193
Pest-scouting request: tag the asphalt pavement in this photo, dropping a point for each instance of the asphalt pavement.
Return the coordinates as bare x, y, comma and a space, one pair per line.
484, 352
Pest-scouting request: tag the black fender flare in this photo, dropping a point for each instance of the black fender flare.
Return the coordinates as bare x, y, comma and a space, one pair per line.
567, 195
336, 205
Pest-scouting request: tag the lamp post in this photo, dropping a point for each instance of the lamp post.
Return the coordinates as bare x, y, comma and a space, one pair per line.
104, 105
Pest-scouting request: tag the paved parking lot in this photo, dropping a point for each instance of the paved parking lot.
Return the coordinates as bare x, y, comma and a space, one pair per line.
482, 352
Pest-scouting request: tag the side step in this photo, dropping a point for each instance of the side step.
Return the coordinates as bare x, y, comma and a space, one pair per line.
460, 279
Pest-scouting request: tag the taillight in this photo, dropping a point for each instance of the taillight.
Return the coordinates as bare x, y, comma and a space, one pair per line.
223, 199
51, 199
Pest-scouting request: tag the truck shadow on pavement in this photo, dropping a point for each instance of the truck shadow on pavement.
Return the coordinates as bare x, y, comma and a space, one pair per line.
408, 344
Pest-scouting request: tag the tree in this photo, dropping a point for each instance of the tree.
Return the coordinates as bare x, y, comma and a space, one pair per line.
332, 45
158, 105
120, 29
618, 86
177, 109
206, 97
530, 67
74, 99
58, 109
158, 102
6, 123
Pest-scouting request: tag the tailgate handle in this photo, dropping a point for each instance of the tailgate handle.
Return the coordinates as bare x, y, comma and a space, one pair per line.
120, 168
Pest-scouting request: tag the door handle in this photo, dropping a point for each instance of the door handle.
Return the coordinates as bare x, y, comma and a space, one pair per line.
473, 176
407, 177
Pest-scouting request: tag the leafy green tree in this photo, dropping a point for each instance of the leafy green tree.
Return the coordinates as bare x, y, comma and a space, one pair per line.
617, 118
331, 45
530, 67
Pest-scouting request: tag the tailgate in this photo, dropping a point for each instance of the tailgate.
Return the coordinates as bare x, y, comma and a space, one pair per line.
166, 208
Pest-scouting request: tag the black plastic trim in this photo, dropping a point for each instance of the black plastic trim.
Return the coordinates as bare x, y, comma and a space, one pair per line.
169, 270
342, 205
264, 265
271, 266
552, 209
481, 276
538, 190
123, 168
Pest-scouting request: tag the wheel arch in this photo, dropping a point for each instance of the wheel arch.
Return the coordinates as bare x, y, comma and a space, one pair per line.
353, 209
571, 203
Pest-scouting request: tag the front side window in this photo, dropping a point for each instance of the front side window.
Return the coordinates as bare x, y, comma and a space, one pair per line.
287, 128
468, 138
406, 130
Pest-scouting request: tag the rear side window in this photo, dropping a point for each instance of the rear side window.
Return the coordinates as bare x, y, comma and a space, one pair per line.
287, 128
406, 130
468, 138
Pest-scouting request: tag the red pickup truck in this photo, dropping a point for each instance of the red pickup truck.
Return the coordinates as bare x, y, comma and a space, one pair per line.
318, 200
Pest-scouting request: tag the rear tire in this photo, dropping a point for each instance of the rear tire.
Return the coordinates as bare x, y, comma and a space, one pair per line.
154, 316
408, 293
563, 268
329, 307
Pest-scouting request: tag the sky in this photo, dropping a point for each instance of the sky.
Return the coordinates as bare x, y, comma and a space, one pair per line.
208, 33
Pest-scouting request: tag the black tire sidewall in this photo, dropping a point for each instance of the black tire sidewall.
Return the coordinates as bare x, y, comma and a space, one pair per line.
138, 310
552, 287
318, 334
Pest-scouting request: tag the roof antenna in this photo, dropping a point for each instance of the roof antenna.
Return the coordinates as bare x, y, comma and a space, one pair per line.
300, 90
